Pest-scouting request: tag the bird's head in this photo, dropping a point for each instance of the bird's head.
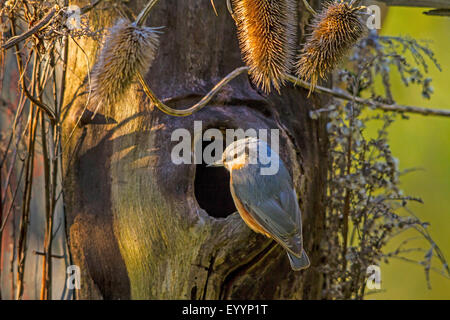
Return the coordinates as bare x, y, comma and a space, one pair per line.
238, 154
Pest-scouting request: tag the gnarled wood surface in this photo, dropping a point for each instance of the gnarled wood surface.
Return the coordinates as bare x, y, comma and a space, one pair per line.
135, 227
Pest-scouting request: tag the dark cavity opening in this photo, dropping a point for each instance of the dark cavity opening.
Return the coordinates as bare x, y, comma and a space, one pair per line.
212, 189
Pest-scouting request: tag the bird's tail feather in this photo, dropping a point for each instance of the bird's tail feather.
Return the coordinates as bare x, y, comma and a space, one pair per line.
297, 263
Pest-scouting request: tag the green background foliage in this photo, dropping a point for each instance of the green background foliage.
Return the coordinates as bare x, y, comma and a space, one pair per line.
422, 143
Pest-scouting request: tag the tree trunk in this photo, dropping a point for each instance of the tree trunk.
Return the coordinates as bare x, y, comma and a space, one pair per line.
136, 222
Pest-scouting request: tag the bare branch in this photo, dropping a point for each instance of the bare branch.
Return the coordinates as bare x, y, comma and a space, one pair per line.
438, 12
39, 253
372, 103
41, 24
417, 3
89, 7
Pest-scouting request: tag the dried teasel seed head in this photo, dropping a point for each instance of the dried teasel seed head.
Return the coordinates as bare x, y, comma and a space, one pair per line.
336, 29
267, 37
128, 49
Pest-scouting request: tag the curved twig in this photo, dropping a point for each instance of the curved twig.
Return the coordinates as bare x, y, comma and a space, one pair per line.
230, 10
214, 7
196, 107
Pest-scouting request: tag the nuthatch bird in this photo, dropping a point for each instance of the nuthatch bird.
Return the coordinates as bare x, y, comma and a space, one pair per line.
267, 203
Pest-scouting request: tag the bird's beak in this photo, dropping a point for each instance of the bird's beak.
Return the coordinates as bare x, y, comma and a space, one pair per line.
218, 163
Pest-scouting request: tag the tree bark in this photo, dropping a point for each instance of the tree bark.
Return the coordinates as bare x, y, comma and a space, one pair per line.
135, 226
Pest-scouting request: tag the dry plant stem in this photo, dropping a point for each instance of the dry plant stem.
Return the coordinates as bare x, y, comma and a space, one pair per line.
55, 256
309, 8
2, 63
50, 170
89, 7
41, 24
23, 228
1, 222
7, 182
140, 20
372, 103
13, 236
230, 9
347, 196
12, 257
41, 105
62, 88
13, 199
46, 263
24, 222
418, 3
47, 199
198, 106
36, 102
214, 7
438, 12
348, 191
47, 292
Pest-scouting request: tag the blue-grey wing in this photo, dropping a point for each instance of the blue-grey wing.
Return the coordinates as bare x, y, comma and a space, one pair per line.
272, 203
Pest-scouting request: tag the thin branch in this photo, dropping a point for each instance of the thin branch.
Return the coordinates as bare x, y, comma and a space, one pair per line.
53, 255
11, 206
41, 24
418, 3
309, 8
1, 235
41, 105
35, 101
375, 104
25, 219
438, 12
445, 275
214, 7
46, 263
89, 7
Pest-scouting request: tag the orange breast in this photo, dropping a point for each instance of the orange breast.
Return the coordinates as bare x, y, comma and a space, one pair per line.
245, 215
237, 165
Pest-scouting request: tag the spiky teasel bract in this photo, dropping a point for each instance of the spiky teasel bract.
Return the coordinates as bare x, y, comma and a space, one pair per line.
129, 49
336, 29
267, 36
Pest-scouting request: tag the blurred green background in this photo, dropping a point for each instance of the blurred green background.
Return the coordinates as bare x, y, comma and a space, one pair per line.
422, 142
